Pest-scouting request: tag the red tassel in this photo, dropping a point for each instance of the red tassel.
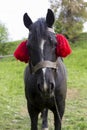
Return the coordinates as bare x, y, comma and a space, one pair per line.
63, 48
21, 52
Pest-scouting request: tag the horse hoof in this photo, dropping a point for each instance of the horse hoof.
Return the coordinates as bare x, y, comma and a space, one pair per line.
44, 128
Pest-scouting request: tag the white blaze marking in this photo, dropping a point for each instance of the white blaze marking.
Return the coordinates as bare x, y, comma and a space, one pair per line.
44, 128
45, 84
42, 47
43, 69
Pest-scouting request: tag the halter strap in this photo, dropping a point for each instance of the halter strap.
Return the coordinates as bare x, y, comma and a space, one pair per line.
45, 64
51, 30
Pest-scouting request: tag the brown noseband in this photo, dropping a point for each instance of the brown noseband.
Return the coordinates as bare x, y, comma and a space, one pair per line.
45, 64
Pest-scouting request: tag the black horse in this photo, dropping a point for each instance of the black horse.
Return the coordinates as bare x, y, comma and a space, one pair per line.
45, 75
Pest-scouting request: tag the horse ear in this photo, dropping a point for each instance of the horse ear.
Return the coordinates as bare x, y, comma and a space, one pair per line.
27, 21
50, 18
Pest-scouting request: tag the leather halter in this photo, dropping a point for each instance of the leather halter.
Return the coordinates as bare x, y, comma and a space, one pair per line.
51, 30
44, 64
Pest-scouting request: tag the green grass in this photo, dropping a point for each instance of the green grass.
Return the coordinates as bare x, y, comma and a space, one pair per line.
11, 94
76, 107
13, 112
76, 64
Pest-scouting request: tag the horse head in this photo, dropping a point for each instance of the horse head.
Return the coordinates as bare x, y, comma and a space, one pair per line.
41, 44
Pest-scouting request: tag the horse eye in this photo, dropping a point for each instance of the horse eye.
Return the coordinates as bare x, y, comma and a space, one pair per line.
28, 45
51, 39
53, 42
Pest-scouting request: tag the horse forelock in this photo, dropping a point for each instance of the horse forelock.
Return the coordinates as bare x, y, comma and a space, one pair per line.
39, 30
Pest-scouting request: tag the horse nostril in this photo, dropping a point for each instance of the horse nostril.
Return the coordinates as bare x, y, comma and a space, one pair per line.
39, 87
51, 86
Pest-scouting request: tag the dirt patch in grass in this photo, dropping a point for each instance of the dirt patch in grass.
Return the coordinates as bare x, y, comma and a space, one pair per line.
72, 93
24, 111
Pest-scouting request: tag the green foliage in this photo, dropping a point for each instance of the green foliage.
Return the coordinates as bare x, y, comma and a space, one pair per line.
8, 47
3, 33
13, 110
70, 16
58, 27
73, 29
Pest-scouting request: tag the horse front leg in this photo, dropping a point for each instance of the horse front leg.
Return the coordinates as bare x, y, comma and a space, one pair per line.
34, 121
58, 114
57, 122
44, 119
33, 117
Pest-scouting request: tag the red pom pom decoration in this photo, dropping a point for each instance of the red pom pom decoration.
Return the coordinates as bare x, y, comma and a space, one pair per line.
21, 52
63, 49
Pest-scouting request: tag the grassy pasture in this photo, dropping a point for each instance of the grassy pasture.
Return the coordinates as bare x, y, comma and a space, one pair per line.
13, 112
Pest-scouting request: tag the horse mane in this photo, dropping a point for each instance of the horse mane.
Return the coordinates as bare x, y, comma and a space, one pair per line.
39, 30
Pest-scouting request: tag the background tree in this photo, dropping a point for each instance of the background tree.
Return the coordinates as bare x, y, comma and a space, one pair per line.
70, 16
3, 33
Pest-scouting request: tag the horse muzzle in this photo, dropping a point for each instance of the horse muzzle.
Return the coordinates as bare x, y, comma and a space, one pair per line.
46, 88
46, 83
